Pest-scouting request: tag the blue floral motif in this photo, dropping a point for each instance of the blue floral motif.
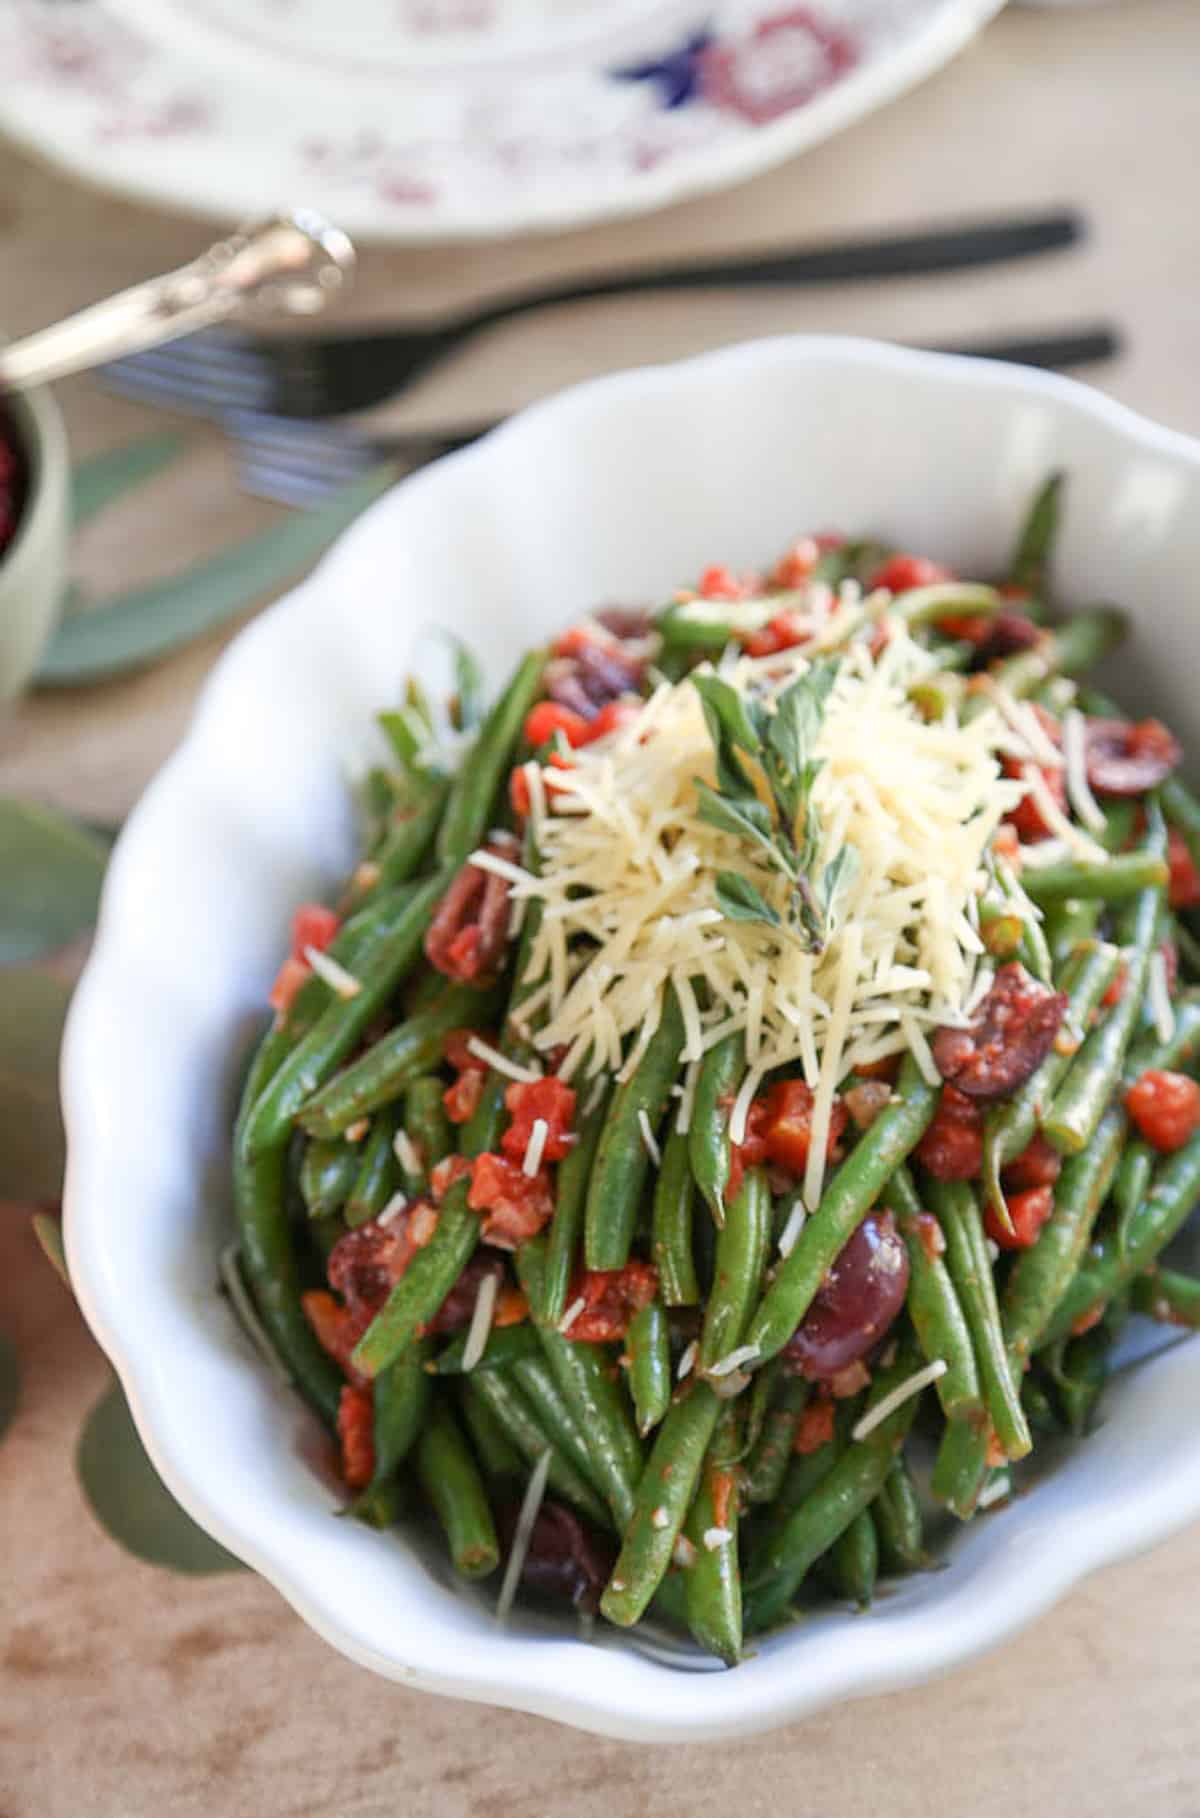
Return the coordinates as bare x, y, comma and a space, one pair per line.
677, 75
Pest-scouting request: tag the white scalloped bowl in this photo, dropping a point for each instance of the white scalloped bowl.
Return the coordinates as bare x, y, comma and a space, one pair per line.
610, 492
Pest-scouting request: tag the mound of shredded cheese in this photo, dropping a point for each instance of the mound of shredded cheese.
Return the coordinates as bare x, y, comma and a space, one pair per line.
628, 873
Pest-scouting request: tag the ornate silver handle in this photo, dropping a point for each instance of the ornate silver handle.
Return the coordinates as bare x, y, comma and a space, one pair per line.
293, 265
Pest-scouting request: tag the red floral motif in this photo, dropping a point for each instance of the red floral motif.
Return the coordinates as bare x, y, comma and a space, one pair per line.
785, 61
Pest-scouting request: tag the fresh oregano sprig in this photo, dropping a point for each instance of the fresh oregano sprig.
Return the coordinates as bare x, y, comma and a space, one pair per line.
780, 738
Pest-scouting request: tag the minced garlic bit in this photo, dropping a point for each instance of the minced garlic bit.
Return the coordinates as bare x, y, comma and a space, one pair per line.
717, 1537
686, 1361
628, 877
683, 1553
358, 1129
1159, 996
660, 1518
407, 1153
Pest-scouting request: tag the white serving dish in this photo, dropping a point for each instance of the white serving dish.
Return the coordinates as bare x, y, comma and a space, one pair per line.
613, 491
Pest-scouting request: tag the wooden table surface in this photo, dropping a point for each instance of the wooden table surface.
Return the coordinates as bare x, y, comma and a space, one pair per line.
124, 1691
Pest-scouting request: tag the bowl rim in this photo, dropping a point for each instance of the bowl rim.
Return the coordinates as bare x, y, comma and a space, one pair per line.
42, 437
697, 1707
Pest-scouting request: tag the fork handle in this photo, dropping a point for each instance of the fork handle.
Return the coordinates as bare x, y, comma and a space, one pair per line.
294, 264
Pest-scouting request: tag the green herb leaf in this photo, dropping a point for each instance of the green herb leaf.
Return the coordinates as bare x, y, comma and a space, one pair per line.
129, 1500
405, 733
32, 1146
104, 478
52, 871
840, 872
134, 629
730, 714
793, 727
470, 687
741, 902
746, 817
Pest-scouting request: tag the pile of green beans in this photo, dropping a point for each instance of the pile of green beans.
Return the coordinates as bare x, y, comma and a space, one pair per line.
721, 1488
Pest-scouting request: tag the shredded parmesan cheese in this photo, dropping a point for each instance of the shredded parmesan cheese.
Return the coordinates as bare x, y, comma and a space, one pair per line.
649, 1141
1160, 996
341, 982
397, 1204
500, 1062
535, 1148
406, 1153
572, 1314
531, 1503
482, 860
1079, 790
481, 1321
733, 1360
686, 1361
903, 1392
796, 1220
1081, 845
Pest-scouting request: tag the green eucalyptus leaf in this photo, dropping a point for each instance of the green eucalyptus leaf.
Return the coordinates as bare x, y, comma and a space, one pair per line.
741, 902
52, 870
746, 817
104, 478
134, 629
33, 1006
128, 1499
10, 1383
48, 1231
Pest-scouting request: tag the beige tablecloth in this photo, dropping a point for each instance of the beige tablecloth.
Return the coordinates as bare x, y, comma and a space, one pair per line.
125, 1691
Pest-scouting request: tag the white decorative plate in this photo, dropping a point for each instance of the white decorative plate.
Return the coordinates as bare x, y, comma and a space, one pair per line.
432, 119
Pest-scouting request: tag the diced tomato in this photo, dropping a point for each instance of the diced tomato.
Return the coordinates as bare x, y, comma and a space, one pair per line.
787, 1132
995, 1456
515, 1205
547, 718
444, 1175
1006, 844
457, 1050
1028, 1212
549, 1099
815, 1426
518, 792
336, 1328
751, 1152
783, 632
793, 568
1183, 889
930, 1236
952, 1146
720, 583
611, 1297
1165, 1106
1091, 1316
610, 718
511, 1309
885, 1069
901, 573
573, 640
971, 628
313, 926
1026, 817
356, 1432
291, 975
1039, 1165
462, 1098
1115, 988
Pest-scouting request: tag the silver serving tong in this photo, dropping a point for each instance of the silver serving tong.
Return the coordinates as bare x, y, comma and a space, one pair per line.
293, 265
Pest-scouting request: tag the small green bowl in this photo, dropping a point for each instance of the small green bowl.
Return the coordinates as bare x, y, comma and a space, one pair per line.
33, 567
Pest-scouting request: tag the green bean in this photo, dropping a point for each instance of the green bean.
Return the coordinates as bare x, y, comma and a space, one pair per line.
1124, 875
501, 1461
1182, 809
708, 1130
1000, 928
852, 1484
451, 1481
375, 1181
505, 1345
712, 1579
324, 1234
1077, 645
562, 1247
534, 1378
899, 1523
767, 1463
1068, 923
407, 838
848, 1197
648, 1348
338, 1028
1042, 1274
947, 599
265, 1235
1149, 1051
1106, 1270
622, 1161
510, 1409
1009, 1127
1168, 1296
1039, 1408
933, 1305
664, 1496
671, 1224
428, 1128
1027, 569
805, 1471
741, 1258
1079, 1376
402, 1395
961, 1466
971, 1272
469, 807
855, 1559
1188, 948
587, 1379
1130, 1186
379, 1075
1089, 1083
327, 1173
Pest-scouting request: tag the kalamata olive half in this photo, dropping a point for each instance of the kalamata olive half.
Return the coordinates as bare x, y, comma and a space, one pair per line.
566, 1559
855, 1304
